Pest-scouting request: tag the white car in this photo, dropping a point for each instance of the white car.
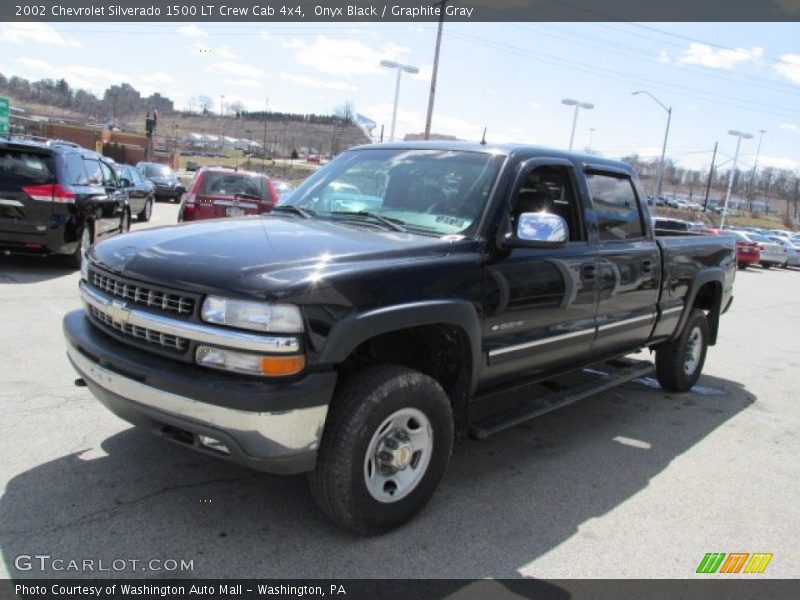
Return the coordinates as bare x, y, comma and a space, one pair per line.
773, 254
792, 251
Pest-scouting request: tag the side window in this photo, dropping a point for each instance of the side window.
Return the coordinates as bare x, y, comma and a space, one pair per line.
550, 189
94, 175
76, 173
109, 179
616, 207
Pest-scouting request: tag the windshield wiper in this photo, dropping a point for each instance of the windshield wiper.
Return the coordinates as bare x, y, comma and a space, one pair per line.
295, 210
393, 224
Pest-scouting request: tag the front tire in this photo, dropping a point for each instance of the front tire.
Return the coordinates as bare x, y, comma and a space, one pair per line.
680, 362
385, 448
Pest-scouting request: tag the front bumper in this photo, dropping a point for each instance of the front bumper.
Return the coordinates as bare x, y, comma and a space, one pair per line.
274, 427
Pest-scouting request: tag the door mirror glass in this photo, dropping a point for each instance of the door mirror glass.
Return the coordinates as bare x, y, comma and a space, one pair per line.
541, 229
126, 183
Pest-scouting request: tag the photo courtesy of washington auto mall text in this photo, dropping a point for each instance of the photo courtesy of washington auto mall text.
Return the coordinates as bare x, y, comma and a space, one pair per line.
399, 299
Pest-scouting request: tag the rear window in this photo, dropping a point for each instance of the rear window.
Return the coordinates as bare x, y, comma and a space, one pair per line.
157, 171
18, 167
234, 184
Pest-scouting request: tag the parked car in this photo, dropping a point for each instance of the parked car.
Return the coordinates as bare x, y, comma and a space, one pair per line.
772, 254
792, 251
141, 191
167, 184
192, 165
354, 335
665, 224
748, 252
224, 192
57, 198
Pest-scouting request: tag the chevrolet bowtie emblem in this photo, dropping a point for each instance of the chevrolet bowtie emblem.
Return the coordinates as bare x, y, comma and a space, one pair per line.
118, 312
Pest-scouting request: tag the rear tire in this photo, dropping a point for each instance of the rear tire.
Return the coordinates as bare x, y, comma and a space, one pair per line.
742, 266
147, 211
766, 265
679, 363
385, 448
87, 237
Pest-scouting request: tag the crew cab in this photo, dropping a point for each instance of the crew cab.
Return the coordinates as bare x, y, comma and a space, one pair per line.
393, 300
57, 198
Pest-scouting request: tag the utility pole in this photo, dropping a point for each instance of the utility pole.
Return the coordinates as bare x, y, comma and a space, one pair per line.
710, 177
752, 194
435, 72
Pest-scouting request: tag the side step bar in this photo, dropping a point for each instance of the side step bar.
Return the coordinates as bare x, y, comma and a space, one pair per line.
605, 376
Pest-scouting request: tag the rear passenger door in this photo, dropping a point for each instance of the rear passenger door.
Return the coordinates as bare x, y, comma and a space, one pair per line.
629, 265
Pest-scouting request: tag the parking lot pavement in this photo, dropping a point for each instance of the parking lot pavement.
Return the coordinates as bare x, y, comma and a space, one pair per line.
634, 482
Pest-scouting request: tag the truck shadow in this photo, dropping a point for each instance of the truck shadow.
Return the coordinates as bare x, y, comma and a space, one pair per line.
503, 503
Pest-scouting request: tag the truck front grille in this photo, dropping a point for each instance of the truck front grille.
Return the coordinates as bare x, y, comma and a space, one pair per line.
164, 340
145, 296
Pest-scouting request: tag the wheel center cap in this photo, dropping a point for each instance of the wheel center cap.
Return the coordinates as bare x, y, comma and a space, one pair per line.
402, 456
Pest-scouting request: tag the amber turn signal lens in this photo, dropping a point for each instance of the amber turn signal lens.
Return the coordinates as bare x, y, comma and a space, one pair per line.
277, 366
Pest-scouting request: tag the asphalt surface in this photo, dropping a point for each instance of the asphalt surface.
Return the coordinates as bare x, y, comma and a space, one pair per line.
634, 482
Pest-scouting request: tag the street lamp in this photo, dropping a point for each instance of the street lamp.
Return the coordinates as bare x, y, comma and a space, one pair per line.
739, 137
578, 105
390, 64
666, 135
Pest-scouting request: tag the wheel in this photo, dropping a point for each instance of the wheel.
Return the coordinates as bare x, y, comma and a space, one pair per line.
680, 362
125, 221
147, 211
385, 448
742, 265
766, 265
74, 260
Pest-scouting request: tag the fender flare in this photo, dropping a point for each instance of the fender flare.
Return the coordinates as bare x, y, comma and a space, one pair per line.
707, 275
355, 329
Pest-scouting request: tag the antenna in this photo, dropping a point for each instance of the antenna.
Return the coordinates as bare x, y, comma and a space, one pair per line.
483, 139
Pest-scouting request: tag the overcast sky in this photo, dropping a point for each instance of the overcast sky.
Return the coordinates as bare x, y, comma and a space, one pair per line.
509, 77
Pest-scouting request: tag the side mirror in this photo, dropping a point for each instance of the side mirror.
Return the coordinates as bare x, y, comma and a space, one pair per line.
124, 182
539, 230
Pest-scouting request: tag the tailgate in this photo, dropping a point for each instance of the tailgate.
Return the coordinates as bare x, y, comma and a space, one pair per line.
27, 179
230, 206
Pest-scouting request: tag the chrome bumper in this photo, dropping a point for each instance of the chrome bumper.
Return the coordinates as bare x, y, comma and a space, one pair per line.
279, 442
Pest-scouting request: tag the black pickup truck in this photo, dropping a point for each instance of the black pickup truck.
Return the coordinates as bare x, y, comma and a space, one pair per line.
402, 295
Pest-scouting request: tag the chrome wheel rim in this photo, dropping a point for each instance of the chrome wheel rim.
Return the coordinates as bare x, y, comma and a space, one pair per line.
398, 455
694, 347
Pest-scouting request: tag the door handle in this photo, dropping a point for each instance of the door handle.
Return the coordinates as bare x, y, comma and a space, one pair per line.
588, 271
647, 266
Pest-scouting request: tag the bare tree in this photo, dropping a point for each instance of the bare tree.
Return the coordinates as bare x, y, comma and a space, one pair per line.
346, 112
204, 103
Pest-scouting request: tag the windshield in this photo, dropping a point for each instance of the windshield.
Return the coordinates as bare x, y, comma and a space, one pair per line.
157, 171
437, 191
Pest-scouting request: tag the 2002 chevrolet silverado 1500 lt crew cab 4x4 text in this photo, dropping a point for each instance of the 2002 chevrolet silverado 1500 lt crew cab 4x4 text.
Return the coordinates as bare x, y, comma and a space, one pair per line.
390, 302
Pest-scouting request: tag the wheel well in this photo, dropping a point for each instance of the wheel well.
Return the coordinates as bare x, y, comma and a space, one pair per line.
709, 298
441, 351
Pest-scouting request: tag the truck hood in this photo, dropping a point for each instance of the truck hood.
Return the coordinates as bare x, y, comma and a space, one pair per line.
267, 257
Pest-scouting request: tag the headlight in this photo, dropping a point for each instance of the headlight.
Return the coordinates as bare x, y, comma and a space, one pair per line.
258, 316
84, 266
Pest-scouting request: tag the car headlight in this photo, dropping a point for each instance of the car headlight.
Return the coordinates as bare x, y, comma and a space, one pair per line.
84, 266
258, 316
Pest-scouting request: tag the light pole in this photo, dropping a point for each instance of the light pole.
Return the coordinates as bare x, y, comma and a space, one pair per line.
739, 136
666, 136
578, 105
390, 64
761, 133
221, 106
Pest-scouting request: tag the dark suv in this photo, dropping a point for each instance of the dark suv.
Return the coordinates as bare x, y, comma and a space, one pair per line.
57, 198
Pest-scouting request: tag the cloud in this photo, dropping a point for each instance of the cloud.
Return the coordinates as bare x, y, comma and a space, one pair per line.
192, 31
664, 58
726, 59
410, 121
218, 52
94, 79
779, 162
39, 33
791, 127
535, 105
153, 82
251, 83
235, 70
789, 67
425, 74
344, 57
319, 84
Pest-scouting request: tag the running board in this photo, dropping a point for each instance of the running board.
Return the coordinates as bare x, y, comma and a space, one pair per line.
606, 375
